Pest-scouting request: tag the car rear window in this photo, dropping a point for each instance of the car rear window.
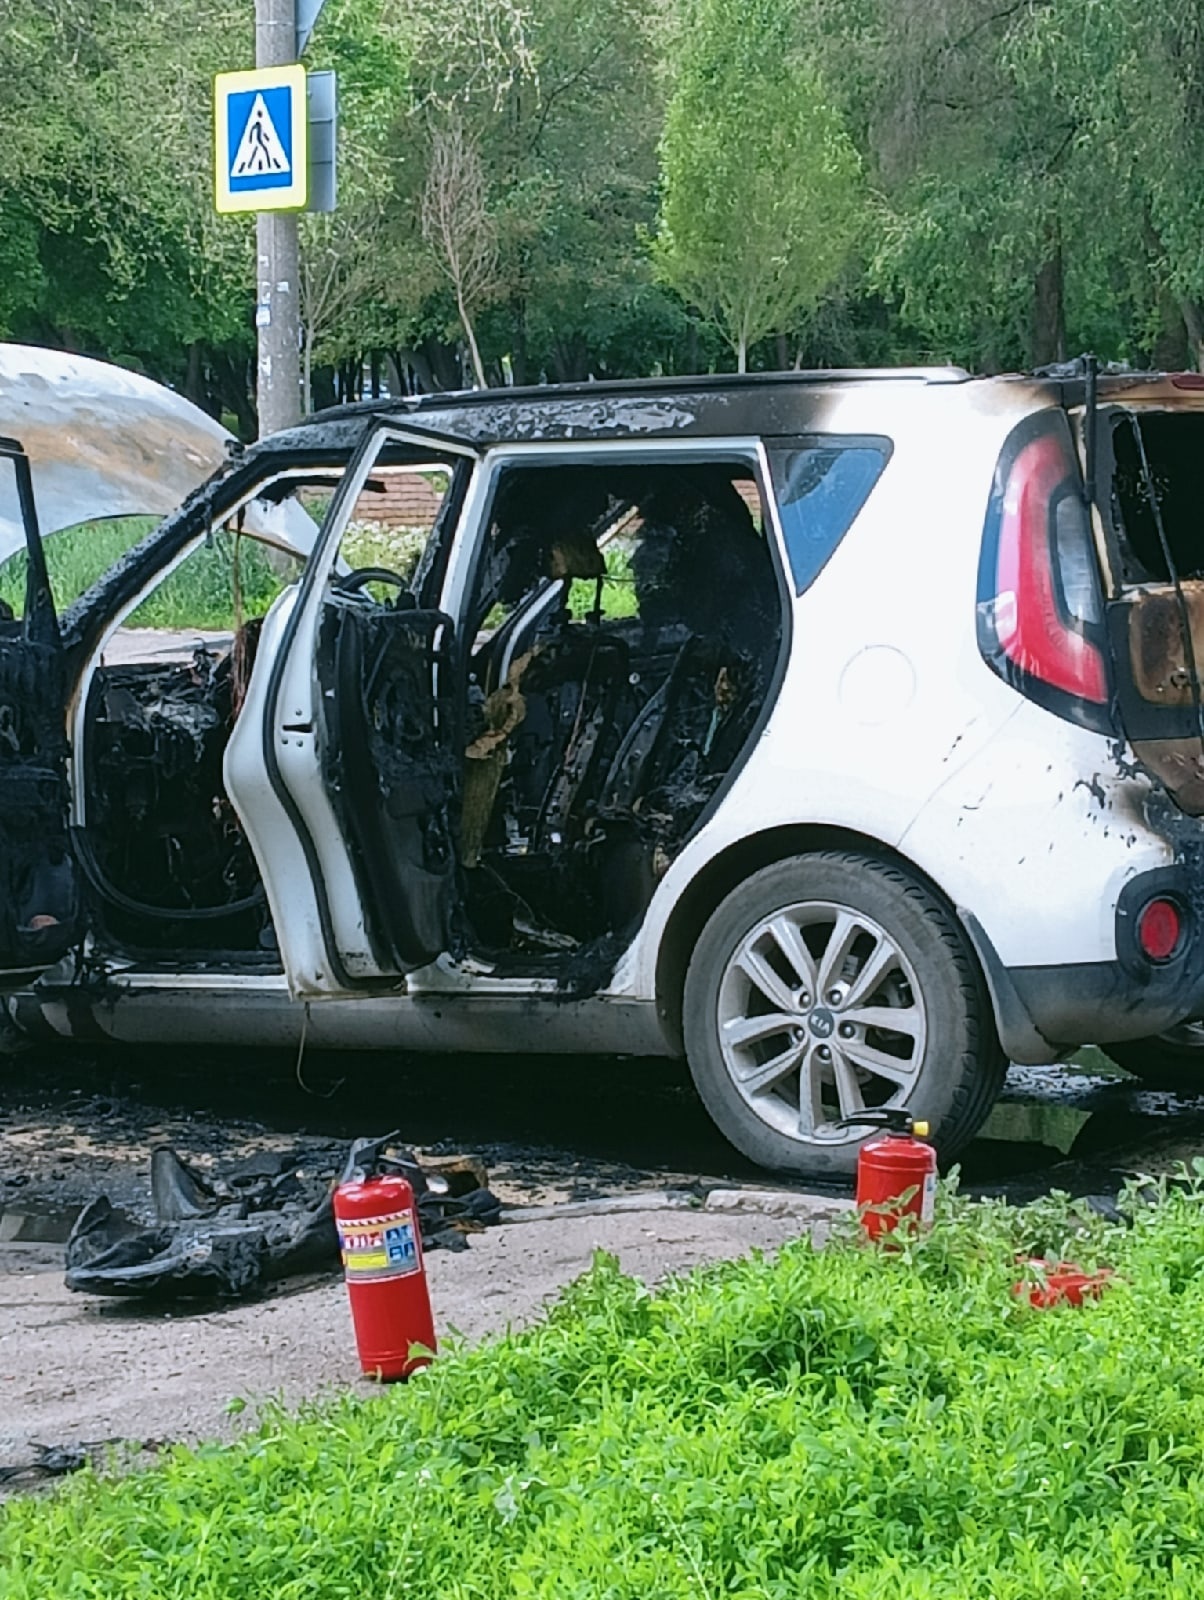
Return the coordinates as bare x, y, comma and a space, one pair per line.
821, 485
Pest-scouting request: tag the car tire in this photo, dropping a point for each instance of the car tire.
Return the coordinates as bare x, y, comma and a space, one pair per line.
868, 931
1171, 1060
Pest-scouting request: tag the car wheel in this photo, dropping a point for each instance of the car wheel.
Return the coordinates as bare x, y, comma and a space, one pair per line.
1170, 1060
828, 984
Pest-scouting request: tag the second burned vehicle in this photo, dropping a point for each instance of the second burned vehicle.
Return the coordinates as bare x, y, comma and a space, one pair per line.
825, 729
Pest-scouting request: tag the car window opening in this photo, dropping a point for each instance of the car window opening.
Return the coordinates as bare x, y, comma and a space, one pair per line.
1172, 442
625, 623
163, 851
1156, 619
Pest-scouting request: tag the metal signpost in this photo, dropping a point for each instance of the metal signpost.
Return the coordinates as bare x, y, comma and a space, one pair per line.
266, 161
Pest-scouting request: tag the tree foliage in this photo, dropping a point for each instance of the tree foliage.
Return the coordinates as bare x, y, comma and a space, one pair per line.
654, 189
761, 181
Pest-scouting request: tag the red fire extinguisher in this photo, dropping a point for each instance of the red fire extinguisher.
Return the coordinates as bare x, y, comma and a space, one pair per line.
377, 1220
896, 1175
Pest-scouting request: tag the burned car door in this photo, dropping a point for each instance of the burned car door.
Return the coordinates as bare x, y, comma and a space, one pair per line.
40, 915
349, 788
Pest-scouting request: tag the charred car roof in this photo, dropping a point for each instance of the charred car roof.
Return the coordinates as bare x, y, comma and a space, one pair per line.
701, 407
706, 407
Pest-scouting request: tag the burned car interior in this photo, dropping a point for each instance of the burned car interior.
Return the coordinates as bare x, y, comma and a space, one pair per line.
163, 850
1156, 620
511, 784
40, 913
532, 772
602, 722
1155, 497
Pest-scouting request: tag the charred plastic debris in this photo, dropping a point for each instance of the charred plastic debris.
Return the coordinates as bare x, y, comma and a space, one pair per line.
528, 781
267, 1219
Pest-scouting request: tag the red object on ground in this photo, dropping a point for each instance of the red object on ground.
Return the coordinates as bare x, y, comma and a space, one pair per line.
897, 1165
386, 1280
1062, 1284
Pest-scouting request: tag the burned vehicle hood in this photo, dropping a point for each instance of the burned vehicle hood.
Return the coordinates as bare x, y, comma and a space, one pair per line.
104, 442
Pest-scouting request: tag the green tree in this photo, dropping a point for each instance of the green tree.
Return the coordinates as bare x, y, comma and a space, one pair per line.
761, 182
106, 123
1022, 156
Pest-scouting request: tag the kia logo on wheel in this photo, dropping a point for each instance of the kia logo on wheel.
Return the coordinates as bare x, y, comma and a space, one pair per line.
822, 1023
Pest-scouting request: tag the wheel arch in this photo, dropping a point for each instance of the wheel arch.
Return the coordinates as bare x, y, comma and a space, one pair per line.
724, 871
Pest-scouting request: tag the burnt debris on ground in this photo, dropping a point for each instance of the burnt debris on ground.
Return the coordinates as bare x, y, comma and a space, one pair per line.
78, 1121
266, 1219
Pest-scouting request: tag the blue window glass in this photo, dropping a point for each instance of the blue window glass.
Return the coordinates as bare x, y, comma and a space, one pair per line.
820, 489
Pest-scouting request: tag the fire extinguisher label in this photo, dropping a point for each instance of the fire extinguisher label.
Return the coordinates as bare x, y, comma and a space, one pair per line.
379, 1247
928, 1197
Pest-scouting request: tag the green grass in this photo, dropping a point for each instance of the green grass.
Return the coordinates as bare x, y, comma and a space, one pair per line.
199, 594
843, 1423
618, 587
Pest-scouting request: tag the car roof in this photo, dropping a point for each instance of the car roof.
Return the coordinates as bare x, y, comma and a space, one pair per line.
723, 405
717, 406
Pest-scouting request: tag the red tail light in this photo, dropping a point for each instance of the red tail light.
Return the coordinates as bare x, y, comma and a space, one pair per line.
1039, 606
1160, 929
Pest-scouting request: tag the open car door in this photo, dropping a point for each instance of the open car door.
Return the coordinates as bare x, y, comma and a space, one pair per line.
346, 760
40, 915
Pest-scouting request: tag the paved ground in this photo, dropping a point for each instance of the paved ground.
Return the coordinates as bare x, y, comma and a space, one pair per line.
76, 1370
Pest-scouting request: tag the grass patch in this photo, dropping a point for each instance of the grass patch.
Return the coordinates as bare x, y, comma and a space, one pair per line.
843, 1423
201, 593
619, 598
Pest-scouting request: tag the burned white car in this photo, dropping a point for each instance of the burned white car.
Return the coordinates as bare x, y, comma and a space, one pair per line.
779, 722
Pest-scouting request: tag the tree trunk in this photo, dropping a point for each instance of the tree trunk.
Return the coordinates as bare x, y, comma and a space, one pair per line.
742, 353
307, 369
478, 371
570, 359
374, 369
234, 391
397, 373
194, 377
518, 356
693, 355
324, 394
1193, 321
1049, 309
783, 352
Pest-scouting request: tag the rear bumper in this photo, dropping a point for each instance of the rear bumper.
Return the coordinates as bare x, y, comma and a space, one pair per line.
1041, 1012
1099, 1002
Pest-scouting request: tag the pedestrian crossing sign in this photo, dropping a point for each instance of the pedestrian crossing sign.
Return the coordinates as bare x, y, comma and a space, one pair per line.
260, 125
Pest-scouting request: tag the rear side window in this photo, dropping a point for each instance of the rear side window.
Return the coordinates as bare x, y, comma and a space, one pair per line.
821, 486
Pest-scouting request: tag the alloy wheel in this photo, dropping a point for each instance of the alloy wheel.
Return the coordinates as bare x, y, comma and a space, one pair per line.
820, 1017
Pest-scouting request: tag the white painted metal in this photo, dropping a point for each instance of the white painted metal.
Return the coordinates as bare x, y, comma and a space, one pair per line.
103, 442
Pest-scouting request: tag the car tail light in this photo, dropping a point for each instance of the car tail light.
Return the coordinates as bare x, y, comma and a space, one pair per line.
1160, 929
1039, 607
